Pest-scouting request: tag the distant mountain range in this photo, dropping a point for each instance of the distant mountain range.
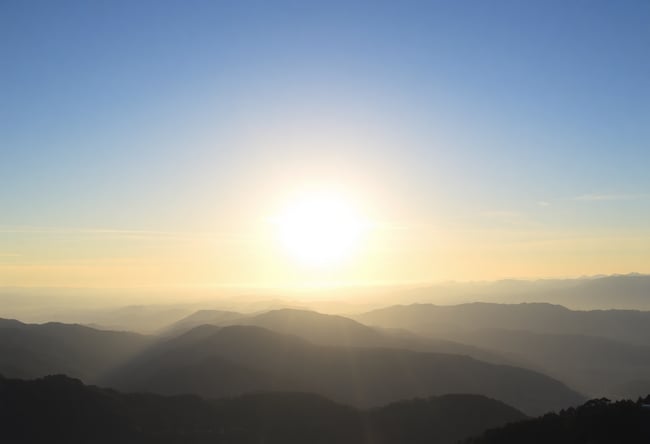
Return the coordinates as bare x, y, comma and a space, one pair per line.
149, 310
536, 357
600, 353
593, 365
332, 330
226, 361
628, 292
440, 320
292, 375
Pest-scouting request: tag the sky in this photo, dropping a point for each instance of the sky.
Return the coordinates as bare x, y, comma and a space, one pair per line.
149, 143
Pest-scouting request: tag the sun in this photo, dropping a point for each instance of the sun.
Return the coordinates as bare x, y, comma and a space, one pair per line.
320, 228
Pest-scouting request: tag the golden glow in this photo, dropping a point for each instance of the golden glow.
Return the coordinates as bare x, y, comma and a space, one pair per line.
320, 228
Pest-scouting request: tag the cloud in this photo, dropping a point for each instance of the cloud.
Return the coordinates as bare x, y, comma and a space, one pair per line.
596, 197
107, 233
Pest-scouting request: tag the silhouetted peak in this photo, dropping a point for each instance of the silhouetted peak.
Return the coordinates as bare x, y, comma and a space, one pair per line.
11, 323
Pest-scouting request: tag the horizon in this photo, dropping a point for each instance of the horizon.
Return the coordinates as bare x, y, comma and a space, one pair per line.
72, 304
316, 286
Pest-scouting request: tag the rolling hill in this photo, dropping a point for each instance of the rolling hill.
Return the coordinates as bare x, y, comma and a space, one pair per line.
598, 421
339, 331
32, 350
215, 362
439, 321
593, 365
60, 409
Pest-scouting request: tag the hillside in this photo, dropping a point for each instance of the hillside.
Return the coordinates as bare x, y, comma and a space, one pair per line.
326, 329
32, 350
215, 362
596, 422
599, 353
67, 411
200, 317
438, 321
593, 365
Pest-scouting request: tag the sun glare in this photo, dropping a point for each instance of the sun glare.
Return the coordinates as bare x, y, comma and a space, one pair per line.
320, 229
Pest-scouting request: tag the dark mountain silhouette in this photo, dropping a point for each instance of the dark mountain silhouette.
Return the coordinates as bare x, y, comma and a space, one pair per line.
439, 321
598, 421
438, 419
216, 362
32, 350
60, 409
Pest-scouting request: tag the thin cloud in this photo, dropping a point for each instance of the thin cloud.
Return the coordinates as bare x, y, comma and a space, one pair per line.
609, 197
130, 234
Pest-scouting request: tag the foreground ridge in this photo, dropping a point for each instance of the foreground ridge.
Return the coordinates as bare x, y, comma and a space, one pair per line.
61, 409
595, 422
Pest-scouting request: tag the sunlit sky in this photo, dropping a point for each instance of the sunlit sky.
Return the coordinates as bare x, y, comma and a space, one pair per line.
154, 143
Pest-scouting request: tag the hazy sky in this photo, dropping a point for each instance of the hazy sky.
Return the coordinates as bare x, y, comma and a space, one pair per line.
149, 142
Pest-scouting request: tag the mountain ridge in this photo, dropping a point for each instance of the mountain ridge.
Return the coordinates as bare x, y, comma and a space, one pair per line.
359, 376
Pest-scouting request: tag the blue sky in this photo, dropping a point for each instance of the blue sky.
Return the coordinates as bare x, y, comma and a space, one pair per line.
185, 116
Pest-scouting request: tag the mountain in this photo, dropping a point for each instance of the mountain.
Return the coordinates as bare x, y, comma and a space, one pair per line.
630, 291
598, 421
108, 309
201, 317
439, 321
339, 331
594, 365
144, 319
599, 353
438, 419
60, 409
32, 350
215, 362
625, 292
316, 327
